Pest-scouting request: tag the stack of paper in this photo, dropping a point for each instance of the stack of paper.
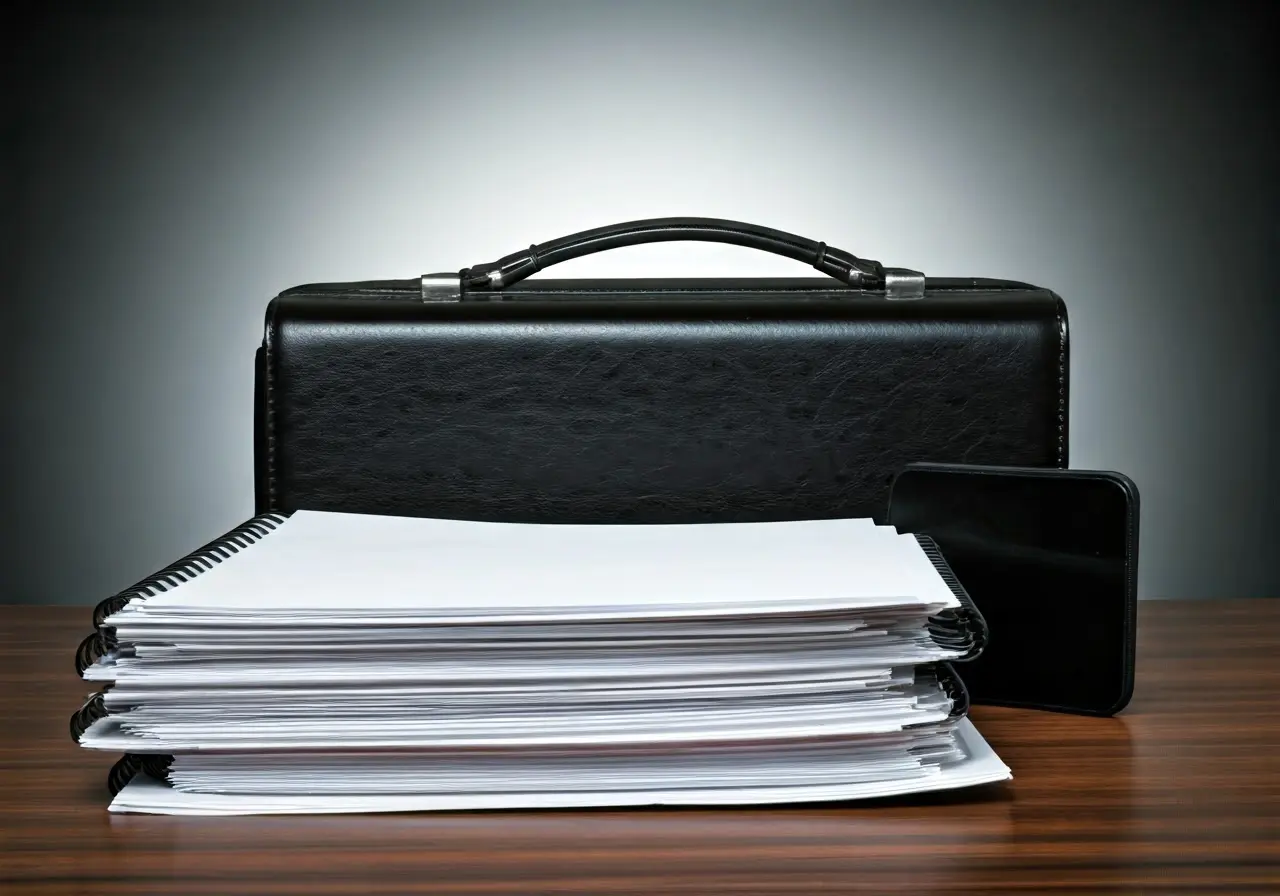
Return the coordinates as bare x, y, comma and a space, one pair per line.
345, 663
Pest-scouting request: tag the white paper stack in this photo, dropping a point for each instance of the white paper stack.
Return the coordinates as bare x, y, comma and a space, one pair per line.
326, 663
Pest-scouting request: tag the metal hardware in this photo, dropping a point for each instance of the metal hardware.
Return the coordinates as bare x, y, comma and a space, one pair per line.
441, 288
900, 283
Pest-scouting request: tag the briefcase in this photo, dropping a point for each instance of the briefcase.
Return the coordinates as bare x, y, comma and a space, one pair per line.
493, 394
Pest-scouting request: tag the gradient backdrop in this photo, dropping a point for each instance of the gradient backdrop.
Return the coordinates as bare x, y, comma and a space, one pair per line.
170, 167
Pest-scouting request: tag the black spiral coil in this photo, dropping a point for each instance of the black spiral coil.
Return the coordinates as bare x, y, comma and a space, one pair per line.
93, 648
959, 628
124, 770
130, 765
945, 676
200, 560
103, 640
93, 709
954, 688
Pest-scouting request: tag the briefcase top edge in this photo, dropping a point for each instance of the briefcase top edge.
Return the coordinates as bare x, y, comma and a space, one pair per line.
665, 287
1041, 308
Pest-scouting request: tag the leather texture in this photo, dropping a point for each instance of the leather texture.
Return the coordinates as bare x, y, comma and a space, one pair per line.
1050, 558
649, 401
513, 268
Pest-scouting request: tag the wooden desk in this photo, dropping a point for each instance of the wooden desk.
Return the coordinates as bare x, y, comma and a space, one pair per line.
1179, 794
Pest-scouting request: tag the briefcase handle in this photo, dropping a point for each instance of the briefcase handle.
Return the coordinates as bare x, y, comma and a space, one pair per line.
510, 269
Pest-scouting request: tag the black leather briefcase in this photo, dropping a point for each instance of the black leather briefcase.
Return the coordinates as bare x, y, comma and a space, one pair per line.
486, 395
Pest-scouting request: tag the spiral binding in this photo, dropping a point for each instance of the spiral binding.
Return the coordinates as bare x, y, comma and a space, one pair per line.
961, 627
946, 677
954, 688
94, 708
103, 640
128, 766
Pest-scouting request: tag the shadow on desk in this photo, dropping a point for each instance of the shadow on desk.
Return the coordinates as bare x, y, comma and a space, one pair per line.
795, 849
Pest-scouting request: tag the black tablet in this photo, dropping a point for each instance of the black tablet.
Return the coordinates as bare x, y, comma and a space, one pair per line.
1050, 558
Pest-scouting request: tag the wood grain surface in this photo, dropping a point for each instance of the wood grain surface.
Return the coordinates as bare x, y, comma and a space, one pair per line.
1179, 794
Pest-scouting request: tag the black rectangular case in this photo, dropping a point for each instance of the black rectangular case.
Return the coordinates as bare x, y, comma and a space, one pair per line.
1033, 546
485, 395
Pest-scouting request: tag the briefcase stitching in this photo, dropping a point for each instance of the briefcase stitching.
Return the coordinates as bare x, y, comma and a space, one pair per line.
270, 375
1060, 313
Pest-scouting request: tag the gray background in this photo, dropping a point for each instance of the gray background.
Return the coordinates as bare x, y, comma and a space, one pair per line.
169, 168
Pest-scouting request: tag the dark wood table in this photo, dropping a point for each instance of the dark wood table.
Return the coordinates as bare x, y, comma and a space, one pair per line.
1181, 793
